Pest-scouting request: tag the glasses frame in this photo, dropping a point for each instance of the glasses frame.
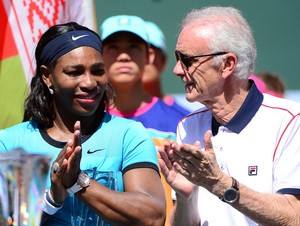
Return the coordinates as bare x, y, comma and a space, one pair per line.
185, 60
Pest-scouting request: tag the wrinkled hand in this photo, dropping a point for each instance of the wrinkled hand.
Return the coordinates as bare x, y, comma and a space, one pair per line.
178, 182
198, 165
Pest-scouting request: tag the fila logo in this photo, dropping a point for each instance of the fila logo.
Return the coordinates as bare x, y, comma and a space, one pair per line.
78, 37
252, 170
91, 152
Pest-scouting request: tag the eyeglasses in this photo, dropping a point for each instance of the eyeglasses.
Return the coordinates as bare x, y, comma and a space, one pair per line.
187, 60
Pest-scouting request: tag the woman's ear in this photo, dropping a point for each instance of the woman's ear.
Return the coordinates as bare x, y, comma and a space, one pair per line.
46, 75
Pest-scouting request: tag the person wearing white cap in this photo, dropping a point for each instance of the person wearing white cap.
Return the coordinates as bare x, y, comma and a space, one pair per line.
153, 72
126, 52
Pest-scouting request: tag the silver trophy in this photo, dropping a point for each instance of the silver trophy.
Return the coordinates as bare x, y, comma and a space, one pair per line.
22, 182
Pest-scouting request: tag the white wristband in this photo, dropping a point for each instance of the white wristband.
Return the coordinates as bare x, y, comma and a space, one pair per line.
48, 207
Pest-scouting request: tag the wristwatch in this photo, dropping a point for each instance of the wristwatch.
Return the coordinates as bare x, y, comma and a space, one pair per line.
83, 181
231, 194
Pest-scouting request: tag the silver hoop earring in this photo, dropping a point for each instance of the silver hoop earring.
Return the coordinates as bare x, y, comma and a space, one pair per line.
50, 91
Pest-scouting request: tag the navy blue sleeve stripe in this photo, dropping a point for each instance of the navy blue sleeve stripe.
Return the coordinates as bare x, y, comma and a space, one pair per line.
141, 165
291, 191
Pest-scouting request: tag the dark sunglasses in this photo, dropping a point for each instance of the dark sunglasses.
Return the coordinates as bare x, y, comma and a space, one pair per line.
187, 60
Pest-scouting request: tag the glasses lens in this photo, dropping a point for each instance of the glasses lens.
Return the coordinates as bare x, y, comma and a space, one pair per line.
183, 59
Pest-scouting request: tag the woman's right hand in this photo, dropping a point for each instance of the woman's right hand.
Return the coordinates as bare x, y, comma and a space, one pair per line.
68, 170
73, 156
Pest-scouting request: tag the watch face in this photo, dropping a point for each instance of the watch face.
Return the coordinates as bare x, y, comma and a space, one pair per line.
230, 195
83, 180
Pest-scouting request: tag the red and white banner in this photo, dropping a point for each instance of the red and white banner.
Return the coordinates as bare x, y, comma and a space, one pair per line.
31, 18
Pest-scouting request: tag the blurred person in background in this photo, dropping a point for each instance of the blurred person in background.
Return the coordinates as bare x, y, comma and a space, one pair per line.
274, 83
126, 52
153, 72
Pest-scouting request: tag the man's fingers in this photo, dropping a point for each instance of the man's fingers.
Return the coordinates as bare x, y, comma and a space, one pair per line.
163, 167
207, 140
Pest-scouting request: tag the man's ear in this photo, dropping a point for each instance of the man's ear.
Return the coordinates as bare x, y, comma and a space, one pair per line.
46, 75
229, 64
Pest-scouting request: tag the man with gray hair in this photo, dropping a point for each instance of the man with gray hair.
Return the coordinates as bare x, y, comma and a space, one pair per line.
236, 160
